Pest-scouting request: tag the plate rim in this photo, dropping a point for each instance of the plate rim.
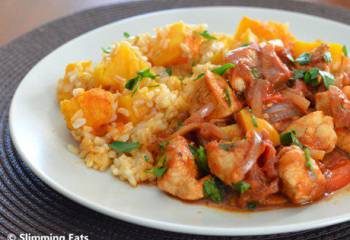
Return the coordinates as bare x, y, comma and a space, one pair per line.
156, 224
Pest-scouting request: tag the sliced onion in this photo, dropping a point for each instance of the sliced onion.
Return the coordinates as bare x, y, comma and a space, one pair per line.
281, 111
208, 130
256, 149
256, 95
206, 110
301, 102
186, 129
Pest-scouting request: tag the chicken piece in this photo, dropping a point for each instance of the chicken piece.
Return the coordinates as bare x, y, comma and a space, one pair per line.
93, 108
245, 59
213, 89
272, 68
343, 141
300, 183
336, 104
315, 130
180, 177
231, 161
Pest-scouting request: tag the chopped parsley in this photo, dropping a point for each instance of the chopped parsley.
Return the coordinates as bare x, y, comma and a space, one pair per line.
298, 74
221, 70
256, 73
328, 78
245, 44
304, 59
200, 157
212, 190
327, 57
126, 34
228, 97
253, 118
169, 71
226, 146
311, 76
153, 86
252, 205
199, 76
106, 50
180, 124
146, 158
345, 51
158, 172
132, 84
308, 159
289, 138
163, 145
241, 186
124, 147
207, 35
290, 57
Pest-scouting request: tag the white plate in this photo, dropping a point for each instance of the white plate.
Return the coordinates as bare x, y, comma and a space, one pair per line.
40, 135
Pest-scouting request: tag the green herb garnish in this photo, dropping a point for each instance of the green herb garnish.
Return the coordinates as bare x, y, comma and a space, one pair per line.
311, 76
134, 82
241, 186
153, 86
199, 76
345, 51
221, 70
228, 97
124, 147
308, 159
304, 59
245, 44
163, 145
146, 158
252, 205
327, 57
289, 138
226, 146
290, 57
200, 157
212, 190
169, 71
328, 78
253, 118
158, 172
126, 34
107, 50
256, 73
298, 74
207, 35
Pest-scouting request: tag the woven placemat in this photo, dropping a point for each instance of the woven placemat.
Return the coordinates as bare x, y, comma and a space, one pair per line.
27, 205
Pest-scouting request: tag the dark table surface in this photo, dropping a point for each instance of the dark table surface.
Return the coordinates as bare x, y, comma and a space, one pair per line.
20, 16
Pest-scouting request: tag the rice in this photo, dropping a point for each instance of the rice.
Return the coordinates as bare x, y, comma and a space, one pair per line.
128, 116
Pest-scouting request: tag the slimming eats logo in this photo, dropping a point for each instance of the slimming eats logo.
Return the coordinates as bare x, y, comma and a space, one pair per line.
28, 236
